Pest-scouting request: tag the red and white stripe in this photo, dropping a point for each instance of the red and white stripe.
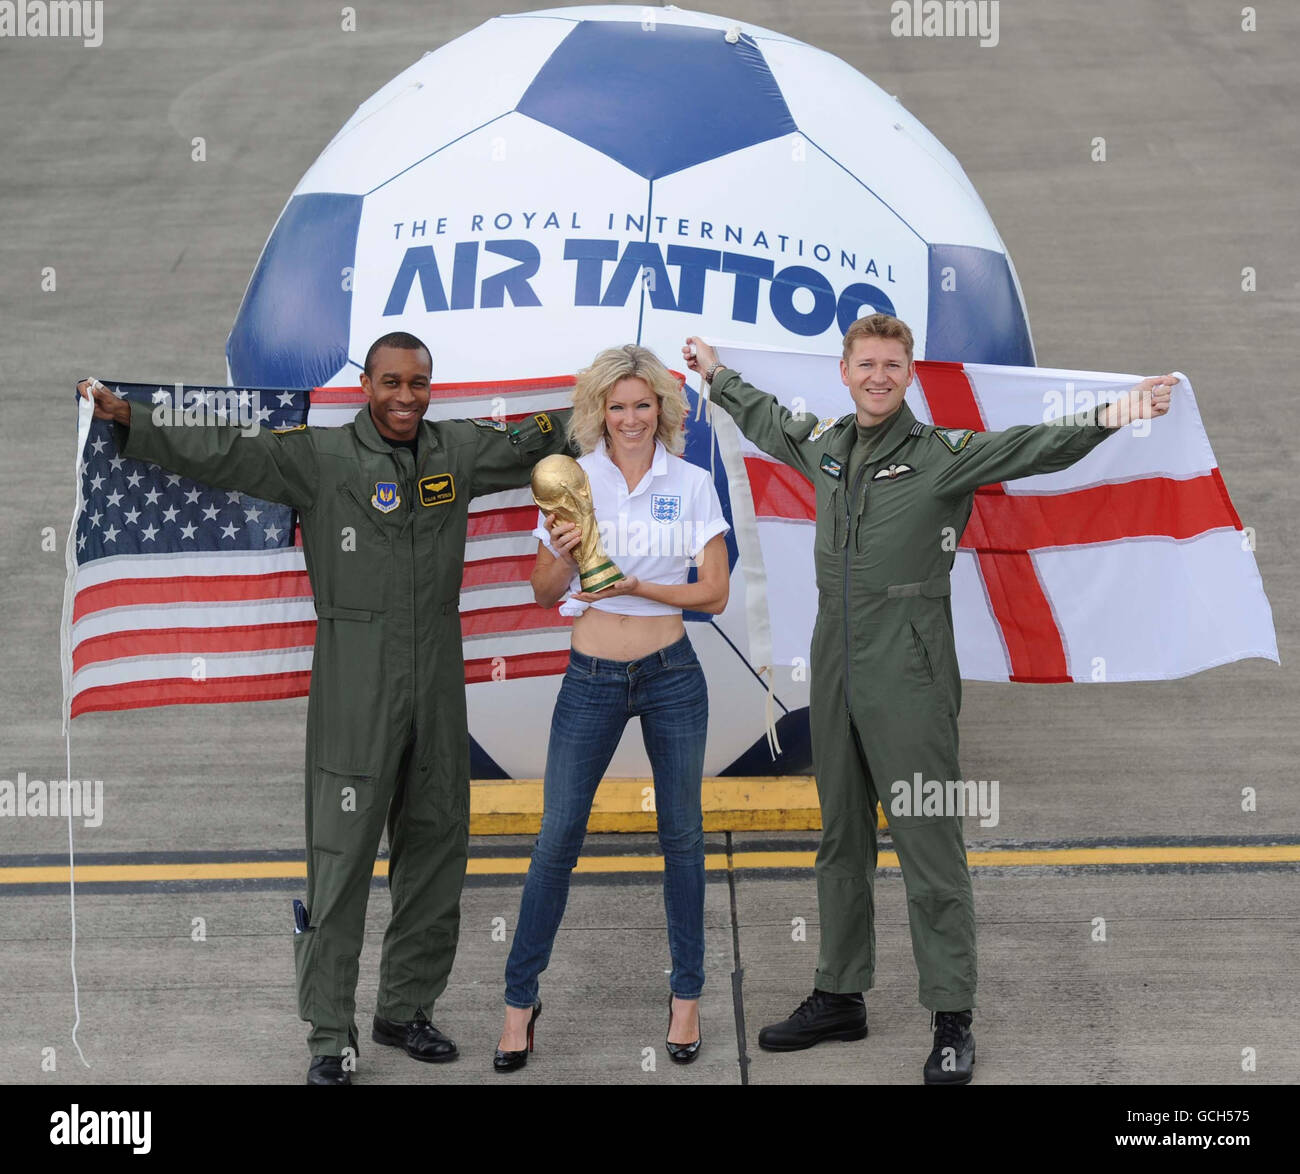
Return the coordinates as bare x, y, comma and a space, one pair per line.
200, 628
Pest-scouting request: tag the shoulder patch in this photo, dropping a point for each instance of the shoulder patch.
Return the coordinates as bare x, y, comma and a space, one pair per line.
495, 425
955, 439
291, 428
821, 426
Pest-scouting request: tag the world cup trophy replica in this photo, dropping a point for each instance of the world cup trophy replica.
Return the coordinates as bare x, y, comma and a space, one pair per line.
560, 487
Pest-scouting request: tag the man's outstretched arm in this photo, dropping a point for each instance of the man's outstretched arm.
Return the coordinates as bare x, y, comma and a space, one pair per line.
504, 457
764, 420
982, 458
275, 467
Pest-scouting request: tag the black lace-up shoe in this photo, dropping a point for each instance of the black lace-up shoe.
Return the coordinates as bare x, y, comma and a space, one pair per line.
418, 1038
328, 1070
821, 1016
953, 1057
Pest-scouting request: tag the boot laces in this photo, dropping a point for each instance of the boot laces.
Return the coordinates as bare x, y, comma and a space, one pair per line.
949, 1029
809, 1007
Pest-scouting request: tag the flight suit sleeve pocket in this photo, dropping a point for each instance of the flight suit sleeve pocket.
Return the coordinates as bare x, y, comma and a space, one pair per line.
340, 806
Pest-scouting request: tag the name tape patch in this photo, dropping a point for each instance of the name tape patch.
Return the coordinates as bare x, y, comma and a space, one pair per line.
438, 489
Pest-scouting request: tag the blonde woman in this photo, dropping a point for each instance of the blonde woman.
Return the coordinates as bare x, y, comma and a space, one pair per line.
658, 515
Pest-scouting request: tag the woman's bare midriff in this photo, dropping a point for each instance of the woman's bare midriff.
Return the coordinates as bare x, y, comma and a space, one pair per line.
609, 636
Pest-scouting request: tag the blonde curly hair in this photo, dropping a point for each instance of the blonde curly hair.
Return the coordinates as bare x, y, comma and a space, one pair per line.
594, 383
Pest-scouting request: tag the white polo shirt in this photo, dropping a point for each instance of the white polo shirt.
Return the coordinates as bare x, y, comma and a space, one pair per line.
655, 532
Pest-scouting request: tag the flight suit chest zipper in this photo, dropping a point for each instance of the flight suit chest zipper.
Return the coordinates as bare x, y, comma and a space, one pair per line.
408, 484
848, 523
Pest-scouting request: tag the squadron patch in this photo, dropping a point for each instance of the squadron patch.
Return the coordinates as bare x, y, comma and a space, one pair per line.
955, 439
543, 422
831, 467
821, 426
438, 489
495, 425
386, 498
893, 473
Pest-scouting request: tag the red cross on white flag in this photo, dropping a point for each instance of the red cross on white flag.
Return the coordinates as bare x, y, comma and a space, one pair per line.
1132, 564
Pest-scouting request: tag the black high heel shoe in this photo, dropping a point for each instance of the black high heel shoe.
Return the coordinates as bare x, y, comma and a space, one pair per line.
509, 1061
682, 1053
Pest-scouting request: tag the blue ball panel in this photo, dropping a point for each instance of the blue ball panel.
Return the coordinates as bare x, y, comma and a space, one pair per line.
979, 319
688, 94
292, 327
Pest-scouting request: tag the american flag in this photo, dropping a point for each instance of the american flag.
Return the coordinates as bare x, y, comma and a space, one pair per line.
179, 593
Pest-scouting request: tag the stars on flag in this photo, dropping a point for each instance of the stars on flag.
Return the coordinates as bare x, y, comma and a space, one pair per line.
135, 507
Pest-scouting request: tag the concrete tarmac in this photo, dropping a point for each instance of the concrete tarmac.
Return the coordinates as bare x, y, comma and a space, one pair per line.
1131, 265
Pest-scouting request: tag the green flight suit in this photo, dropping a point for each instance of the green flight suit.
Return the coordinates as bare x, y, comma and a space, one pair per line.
387, 736
885, 687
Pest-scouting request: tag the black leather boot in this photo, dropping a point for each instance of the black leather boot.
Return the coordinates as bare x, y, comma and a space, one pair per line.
328, 1070
821, 1016
953, 1058
418, 1038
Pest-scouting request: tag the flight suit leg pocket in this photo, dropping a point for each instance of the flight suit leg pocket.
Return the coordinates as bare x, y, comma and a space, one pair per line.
304, 958
347, 684
341, 803
922, 660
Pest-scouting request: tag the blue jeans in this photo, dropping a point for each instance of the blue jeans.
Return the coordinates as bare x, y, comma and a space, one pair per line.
667, 691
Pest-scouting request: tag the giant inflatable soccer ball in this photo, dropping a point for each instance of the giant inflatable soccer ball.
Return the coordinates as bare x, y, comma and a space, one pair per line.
557, 182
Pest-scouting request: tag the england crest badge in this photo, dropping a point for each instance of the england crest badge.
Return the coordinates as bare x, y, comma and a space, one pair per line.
386, 498
664, 508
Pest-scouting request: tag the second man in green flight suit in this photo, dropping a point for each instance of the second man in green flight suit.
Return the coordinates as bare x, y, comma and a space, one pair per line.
885, 686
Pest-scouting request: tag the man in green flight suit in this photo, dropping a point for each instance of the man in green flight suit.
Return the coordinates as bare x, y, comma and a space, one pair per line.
885, 689
383, 505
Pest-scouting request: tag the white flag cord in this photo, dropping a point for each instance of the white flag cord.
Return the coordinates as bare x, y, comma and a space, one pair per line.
723, 440
85, 411
72, 911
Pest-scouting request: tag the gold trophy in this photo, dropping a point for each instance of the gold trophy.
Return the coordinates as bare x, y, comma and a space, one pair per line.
560, 487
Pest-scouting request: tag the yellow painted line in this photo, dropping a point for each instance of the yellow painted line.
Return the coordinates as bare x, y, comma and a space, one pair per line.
126, 873
716, 861
1173, 854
